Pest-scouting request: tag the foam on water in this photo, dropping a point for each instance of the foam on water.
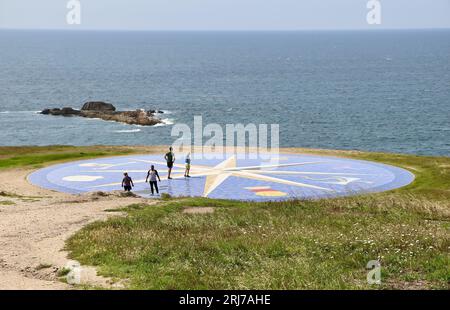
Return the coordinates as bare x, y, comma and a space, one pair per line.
127, 130
165, 122
20, 112
166, 112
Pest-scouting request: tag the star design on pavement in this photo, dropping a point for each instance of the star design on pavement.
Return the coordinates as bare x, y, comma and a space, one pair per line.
219, 173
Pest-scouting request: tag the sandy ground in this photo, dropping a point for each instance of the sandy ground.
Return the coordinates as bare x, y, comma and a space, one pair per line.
33, 231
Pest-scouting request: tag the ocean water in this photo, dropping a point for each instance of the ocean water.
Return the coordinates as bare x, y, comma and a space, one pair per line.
366, 90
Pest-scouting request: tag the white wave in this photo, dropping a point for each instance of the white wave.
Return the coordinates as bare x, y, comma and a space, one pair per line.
166, 111
165, 122
19, 112
127, 130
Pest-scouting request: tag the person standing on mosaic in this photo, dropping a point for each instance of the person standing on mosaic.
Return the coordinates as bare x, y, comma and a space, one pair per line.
170, 159
153, 175
127, 182
188, 165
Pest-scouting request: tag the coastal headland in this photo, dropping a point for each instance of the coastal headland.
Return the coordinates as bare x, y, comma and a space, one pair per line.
126, 241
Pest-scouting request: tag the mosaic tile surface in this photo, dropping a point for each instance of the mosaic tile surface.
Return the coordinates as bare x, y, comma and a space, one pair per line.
286, 176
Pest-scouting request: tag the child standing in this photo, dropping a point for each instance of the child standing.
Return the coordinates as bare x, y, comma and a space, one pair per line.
153, 175
127, 182
188, 166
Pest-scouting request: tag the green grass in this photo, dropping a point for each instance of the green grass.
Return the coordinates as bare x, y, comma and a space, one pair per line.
63, 272
35, 157
290, 245
323, 244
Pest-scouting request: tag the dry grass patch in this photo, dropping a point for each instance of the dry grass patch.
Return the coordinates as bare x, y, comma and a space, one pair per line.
198, 210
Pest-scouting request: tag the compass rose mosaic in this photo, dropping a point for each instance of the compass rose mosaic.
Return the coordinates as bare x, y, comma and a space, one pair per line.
289, 176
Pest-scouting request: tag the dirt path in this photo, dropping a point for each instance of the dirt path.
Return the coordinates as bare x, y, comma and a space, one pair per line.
34, 224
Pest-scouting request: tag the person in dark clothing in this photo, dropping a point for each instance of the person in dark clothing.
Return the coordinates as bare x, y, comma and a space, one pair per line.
170, 159
127, 182
152, 175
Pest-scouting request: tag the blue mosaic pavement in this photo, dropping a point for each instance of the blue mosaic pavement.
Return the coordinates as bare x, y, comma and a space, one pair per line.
290, 176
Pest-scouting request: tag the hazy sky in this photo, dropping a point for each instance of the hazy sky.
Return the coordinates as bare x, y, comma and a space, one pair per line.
224, 14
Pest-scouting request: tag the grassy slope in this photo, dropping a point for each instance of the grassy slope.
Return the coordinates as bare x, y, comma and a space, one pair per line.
35, 157
288, 245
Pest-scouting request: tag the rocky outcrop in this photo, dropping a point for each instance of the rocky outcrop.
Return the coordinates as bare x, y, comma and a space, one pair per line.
98, 106
62, 112
107, 112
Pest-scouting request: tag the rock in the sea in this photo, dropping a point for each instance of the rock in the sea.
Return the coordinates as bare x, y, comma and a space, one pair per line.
107, 112
69, 111
63, 112
98, 106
